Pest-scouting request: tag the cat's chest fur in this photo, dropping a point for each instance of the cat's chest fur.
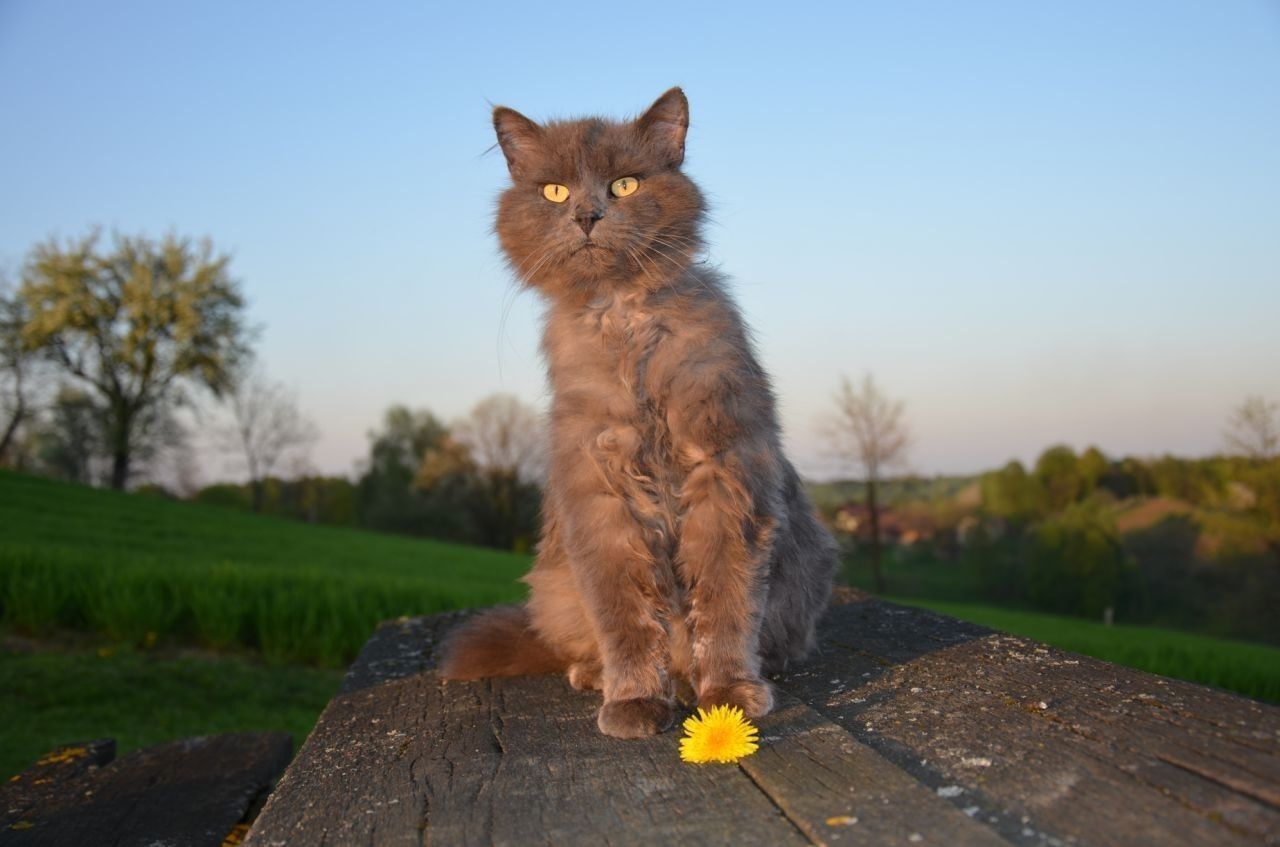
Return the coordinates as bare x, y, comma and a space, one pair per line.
604, 360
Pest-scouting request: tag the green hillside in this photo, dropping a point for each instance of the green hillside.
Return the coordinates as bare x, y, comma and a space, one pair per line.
163, 576
143, 569
146, 571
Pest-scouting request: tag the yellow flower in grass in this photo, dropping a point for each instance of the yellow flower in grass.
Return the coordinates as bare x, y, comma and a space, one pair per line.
721, 735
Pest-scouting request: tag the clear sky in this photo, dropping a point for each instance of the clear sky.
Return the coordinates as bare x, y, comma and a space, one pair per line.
1034, 222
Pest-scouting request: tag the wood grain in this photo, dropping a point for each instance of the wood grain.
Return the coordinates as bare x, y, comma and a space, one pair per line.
907, 728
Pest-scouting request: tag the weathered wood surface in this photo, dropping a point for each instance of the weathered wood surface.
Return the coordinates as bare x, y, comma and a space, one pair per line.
907, 728
188, 793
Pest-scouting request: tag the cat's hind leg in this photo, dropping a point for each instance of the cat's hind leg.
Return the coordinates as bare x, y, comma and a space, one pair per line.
557, 613
586, 676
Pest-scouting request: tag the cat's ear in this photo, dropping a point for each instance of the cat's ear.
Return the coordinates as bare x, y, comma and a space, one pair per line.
665, 124
518, 136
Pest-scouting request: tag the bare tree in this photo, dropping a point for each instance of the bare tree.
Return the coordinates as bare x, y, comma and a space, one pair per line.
267, 429
1254, 429
868, 432
504, 435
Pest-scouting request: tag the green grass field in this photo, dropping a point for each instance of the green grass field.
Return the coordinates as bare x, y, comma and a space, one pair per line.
272, 603
1249, 669
915, 573
139, 569
57, 697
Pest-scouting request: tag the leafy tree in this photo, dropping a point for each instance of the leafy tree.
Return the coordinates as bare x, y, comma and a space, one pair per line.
1058, 473
1128, 477
137, 326
1075, 563
1186, 480
1011, 493
1164, 554
1093, 467
388, 500
868, 430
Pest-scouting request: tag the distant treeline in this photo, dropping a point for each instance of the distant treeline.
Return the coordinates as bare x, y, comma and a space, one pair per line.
475, 482
1061, 478
1187, 543
1190, 543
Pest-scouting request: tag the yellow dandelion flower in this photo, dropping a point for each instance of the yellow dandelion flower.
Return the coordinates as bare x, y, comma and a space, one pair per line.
721, 735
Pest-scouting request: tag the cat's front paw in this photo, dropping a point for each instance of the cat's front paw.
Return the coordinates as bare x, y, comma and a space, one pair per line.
753, 696
635, 718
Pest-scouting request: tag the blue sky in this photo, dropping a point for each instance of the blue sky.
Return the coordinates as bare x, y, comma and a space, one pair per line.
1034, 222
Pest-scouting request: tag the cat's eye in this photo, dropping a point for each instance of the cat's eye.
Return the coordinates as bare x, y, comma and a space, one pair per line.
625, 186
555, 192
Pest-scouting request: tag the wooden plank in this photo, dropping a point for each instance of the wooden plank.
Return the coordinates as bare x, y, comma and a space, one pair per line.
45, 781
400, 648
1045, 745
839, 791
520, 761
190, 792
921, 728
515, 761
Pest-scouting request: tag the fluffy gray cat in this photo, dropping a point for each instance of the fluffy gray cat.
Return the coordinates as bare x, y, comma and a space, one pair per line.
678, 546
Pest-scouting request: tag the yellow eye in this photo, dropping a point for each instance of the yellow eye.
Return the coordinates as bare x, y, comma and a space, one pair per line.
555, 193
625, 186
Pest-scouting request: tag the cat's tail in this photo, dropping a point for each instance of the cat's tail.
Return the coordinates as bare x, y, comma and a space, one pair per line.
498, 642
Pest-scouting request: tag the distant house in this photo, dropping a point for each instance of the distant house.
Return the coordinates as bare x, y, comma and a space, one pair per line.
851, 517
899, 527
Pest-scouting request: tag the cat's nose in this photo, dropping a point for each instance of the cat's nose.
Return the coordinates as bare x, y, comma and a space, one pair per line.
586, 218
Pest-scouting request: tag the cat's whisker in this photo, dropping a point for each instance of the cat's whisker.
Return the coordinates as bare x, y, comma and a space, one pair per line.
697, 278
686, 247
639, 258
546, 256
657, 248
508, 300
639, 264
683, 248
533, 259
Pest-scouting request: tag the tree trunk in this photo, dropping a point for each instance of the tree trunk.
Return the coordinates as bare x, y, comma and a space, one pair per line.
875, 536
120, 468
10, 432
259, 495
121, 429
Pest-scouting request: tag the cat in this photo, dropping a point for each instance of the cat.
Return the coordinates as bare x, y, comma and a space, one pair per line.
679, 547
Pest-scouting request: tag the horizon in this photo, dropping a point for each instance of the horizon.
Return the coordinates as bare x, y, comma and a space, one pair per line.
1035, 226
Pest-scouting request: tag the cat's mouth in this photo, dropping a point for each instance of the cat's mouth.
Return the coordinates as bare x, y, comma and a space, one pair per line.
587, 245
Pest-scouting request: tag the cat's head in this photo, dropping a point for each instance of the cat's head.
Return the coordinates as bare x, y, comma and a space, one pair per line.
595, 205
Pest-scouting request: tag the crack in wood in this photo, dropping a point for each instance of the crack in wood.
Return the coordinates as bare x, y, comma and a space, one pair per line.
1271, 798
782, 810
